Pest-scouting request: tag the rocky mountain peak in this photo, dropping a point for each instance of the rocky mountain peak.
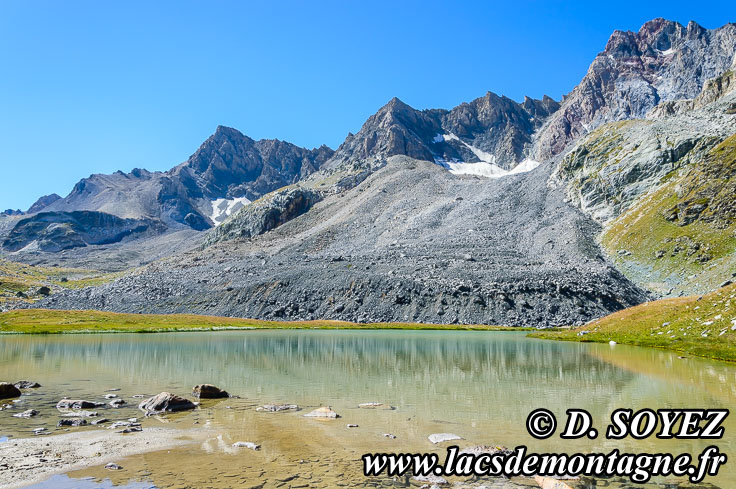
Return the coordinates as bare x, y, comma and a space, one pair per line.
42, 203
493, 127
664, 61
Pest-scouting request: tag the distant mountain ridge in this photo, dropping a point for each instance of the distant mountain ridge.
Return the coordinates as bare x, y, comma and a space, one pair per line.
490, 128
227, 165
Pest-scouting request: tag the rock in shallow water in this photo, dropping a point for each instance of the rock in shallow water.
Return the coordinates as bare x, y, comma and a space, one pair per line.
442, 437
74, 422
27, 384
8, 391
276, 408
78, 404
246, 444
323, 412
166, 402
209, 391
375, 405
26, 414
81, 414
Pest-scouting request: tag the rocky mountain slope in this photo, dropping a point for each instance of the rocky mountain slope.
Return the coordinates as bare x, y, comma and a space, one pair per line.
663, 62
662, 188
412, 242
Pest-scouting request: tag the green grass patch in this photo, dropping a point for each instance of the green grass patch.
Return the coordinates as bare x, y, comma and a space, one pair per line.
43, 321
703, 326
20, 277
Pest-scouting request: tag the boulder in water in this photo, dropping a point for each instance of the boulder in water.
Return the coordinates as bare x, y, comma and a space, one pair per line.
209, 391
27, 384
166, 402
8, 391
78, 404
323, 412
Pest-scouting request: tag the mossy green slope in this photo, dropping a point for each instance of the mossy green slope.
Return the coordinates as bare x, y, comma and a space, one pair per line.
696, 325
683, 234
20, 282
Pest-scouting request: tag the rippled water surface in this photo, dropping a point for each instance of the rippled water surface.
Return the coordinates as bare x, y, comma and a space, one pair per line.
479, 385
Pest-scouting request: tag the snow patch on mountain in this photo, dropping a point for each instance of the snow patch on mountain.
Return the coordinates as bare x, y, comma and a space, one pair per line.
223, 208
489, 170
479, 153
486, 167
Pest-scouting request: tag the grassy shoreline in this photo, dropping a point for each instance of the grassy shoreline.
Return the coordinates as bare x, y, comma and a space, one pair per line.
703, 326
44, 321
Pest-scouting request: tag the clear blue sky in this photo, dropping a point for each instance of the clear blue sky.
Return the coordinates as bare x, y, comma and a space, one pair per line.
93, 87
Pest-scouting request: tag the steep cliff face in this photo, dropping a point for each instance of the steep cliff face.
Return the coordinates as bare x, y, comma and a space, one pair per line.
663, 62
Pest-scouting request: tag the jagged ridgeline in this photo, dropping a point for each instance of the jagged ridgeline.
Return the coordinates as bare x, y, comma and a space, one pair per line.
495, 211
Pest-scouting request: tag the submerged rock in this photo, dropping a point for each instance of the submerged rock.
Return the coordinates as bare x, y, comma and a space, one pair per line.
209, 391
375, 405
27, 384
276, 408
81, 414
116, 403
26, 414
442, 437
78, 404
323, 412
8, 391
246, 444
75, 422
166, 402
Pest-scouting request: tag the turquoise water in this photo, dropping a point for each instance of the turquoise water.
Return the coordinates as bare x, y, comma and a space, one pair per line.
479, 385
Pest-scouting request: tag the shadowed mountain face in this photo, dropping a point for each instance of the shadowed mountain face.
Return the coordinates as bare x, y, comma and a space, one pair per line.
57, 231
488, 128
664, 61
